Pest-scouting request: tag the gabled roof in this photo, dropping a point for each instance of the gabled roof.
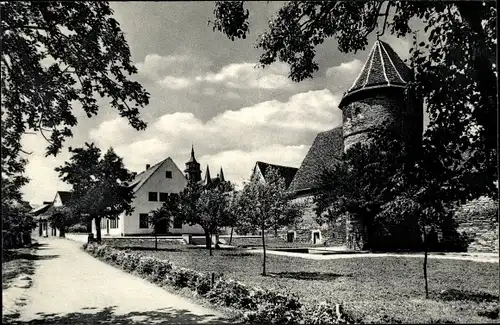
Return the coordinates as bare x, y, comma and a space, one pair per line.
325, 151
65, 196
142, 177
41, 209
383, 68
285, 172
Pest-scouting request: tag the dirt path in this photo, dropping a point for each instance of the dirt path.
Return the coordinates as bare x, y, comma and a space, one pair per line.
72, 287
476, 257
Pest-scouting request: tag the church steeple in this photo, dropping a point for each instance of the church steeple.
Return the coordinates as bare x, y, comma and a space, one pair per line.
208, 179
193, 171
221, 175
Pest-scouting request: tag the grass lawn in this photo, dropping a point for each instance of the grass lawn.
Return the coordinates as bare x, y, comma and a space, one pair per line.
374, 289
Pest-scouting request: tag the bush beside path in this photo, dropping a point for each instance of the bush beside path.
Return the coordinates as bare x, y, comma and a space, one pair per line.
72, 287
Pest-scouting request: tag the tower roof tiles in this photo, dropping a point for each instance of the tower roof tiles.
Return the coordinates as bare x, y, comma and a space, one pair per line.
383, 68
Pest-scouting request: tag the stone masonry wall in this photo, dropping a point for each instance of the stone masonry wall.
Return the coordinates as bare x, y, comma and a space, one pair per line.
478, 219
367, 114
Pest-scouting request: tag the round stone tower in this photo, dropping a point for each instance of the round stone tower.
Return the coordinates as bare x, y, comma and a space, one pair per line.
376, 100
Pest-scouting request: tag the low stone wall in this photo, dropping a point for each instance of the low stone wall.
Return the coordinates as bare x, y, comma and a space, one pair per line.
335, 233
478, 220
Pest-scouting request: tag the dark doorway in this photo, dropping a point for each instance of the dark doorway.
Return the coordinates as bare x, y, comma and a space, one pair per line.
315, 237
162, 227
290, 237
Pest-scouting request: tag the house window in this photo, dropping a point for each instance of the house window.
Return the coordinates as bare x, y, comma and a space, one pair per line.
177, 223
168, 174
153, 196
143, 220
163, 196
113, 223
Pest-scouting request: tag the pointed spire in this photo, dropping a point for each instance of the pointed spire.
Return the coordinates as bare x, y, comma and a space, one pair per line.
221, 175
192, 158
208, 180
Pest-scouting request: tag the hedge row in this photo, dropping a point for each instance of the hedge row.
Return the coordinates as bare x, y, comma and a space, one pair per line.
257, 305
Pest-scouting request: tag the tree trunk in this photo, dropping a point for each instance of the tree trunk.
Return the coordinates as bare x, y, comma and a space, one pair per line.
98, 229
62, 231
210, 244
231, 236
208, 240
264, 254
425, 266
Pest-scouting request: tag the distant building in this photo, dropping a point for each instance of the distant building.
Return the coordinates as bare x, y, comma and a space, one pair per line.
150, 189
43, 212
260, 172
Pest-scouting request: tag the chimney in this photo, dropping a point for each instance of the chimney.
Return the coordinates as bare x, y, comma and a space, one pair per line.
147, 166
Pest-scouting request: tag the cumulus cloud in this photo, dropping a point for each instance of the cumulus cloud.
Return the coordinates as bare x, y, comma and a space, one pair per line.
111, 132
156, 66
175, 82
274, 131
341, 77
248, 75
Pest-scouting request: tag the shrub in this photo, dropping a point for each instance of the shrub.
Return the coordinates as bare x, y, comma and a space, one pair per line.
232, 293
160, 269
145, 265
179, 277
326, 313
282, 311
203, 284
263, 306
78, 228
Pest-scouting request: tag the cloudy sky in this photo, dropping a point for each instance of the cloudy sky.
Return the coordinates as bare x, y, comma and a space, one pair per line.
206, 91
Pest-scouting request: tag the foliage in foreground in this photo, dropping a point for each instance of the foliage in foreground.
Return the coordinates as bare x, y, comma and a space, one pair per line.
257, 305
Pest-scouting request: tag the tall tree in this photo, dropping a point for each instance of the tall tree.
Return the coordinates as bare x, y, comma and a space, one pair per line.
208, 206
100, 185
57, 56
454, 64
169, 210
266, 205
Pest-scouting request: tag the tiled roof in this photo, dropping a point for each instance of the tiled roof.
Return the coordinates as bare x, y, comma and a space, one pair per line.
288, 173
326, 149
383, 68
142, 177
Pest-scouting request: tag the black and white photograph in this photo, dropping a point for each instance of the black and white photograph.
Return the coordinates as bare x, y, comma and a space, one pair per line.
249, 162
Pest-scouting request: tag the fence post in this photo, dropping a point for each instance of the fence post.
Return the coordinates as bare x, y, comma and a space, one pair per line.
213, 280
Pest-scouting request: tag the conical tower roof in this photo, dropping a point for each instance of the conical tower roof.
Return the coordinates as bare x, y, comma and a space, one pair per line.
208, 179
192, 159
221, 175
382, 69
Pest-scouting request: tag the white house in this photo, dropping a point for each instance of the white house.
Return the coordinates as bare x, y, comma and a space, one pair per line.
150, 188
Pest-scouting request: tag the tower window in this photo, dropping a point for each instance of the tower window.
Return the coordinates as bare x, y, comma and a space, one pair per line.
153, 196
168, 174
